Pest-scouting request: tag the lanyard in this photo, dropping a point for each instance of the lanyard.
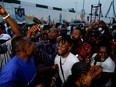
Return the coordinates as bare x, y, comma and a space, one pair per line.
62, 69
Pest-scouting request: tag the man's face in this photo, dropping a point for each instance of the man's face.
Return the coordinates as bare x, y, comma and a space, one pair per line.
63, 48
102, 53
20, 13
76, 35
29, 46
52, 34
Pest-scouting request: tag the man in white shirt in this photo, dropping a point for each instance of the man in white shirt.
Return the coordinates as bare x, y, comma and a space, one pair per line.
65, 59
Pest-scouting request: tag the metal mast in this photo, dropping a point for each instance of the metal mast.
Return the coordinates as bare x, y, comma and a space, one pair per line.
111, 4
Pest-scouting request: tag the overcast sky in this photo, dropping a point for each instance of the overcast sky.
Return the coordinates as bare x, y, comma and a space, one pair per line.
76, 4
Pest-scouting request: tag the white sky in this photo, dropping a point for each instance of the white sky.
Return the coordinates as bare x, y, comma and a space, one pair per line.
66, 4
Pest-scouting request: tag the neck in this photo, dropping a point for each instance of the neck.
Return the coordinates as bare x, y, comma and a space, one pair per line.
78, 42
23, 57
65, 56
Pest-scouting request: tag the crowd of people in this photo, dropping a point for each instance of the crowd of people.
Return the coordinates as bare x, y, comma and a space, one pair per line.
58, 55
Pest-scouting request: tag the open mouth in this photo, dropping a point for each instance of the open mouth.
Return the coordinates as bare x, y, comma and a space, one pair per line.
102, 59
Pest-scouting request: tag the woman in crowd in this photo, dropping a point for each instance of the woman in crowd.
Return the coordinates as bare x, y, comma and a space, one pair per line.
82, 76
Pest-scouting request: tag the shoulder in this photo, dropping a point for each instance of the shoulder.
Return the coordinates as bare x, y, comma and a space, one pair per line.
69, 82
57, 57
108, 65
94, 55
9, 70
12, 64
73, 57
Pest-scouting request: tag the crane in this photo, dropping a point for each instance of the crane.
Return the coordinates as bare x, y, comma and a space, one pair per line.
111, 4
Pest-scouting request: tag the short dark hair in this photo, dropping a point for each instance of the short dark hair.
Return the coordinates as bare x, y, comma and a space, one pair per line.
81, 31
107, 46
16, 42
66, 38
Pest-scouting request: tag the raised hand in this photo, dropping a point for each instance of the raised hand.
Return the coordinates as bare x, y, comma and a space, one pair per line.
3, 11
33, 29
95, 71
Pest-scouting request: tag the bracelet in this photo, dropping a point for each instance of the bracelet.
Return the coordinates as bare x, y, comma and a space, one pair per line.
53, 78
6, 16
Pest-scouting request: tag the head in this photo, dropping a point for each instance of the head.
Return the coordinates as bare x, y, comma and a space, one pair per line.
76, 34
22, 45
4, 38
80, 74
64, 46
103, 52
52, 35
44, 36
63, 31
102, 26
19, 11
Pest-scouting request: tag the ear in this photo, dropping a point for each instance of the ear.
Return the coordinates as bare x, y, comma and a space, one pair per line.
83, 76
81, 36
21, 49
70, 47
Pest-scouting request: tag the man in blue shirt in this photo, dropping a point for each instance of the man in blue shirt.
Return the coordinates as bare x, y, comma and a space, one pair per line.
20, 70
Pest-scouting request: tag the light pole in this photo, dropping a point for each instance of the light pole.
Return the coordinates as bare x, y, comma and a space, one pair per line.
76, 9
83, 11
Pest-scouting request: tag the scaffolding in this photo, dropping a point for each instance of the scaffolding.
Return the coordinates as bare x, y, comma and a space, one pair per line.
96, 12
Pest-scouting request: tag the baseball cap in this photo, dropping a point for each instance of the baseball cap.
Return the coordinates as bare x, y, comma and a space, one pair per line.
5, 37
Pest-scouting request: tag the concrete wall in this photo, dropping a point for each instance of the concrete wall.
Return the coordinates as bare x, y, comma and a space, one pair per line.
33, 10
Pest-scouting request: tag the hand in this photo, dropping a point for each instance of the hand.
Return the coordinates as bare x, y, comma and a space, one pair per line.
2, 11
87, 60
55, 67
53, 83
58, 38
95, 71
114, 43
33, 29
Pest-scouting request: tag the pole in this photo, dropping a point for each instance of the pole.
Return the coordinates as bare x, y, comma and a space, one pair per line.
3, 3
83, 4
99, 5
76, 9
91, 13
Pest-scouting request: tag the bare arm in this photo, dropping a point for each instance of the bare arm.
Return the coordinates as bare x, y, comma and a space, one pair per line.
11, 22
44, 69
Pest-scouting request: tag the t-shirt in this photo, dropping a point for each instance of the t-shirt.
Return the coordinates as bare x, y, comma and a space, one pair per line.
18, 73
66, 66
48, 51
108, 65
